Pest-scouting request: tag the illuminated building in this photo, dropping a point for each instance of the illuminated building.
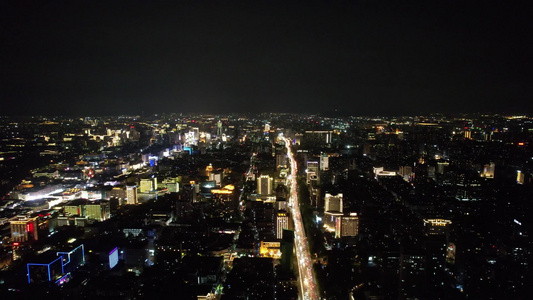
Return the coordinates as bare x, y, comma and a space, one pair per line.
49, 269
281, 204
216, 177
270, 249
117, 192
380, 171
406, 172
113, 258
264, 185
282, 222
73, 209
131, 195
324, 162
488, 170
171, 184
73, 259
520, 177
146, 186
219, 129
312, 172
347, 225
97, 210
333, 203
24, 230
330, 220
224, 193
206, 187
437, 226
55, 267
267, 128
94, 210
319, 136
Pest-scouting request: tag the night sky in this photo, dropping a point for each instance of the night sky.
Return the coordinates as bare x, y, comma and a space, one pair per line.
357, 57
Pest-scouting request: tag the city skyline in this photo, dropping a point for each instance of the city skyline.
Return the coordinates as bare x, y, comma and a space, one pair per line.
357, 58
267, 206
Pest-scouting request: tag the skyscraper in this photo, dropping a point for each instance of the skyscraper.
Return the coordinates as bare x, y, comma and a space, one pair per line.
219, 129
264, 185
146, 185
131, 194
312, 172
282, 222
24, 230
333, 203
347, 225
324, 162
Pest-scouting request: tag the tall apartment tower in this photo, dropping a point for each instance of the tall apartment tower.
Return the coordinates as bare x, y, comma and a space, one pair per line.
324, 162
131, 194
312, 172
333, 203
24, 230
146, 185
219, 129
347, 225
282, 222
264, 185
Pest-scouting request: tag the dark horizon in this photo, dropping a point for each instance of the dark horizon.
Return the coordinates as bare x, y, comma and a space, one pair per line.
360, 58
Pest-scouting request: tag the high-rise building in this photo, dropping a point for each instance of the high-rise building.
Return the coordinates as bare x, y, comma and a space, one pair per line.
320, 137
281, 160
264, 185
97, 210
330, 220
324, 162
312, 172
24, 230
282, 222
488, 170
73, 259
219, 129
441, 166
313, 166
406, 172
347, 225
437, 226
333, 203
520, 178
94, 210
146, 185
131, 194
55, 267
171, 184
49, 268
74, 208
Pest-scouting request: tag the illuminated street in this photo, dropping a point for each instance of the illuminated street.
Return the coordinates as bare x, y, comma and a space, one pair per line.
305, 270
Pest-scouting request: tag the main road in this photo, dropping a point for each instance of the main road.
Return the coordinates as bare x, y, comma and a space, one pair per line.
308, 286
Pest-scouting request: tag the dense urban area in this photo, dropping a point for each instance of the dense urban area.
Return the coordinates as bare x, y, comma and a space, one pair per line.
266, 206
